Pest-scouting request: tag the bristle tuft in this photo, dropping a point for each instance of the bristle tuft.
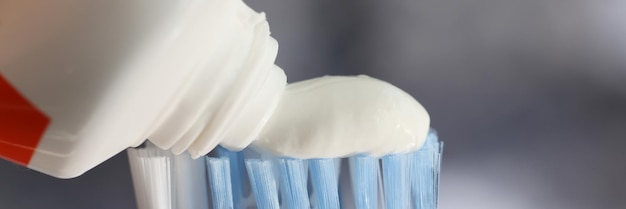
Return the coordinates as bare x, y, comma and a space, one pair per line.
219, 177
364, 175
293, 183
263, 182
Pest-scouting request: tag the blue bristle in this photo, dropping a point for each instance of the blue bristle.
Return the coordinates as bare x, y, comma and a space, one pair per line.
424, 173
237, 168
220, 182
395, 181
293, 183
404, 180
364, 176
421, 179
324, 180
437, 172
263, 183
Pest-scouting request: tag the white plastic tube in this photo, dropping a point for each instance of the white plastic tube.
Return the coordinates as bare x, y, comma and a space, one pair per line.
81, 81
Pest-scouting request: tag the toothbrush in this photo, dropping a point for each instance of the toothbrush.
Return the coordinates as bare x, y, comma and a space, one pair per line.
250, 179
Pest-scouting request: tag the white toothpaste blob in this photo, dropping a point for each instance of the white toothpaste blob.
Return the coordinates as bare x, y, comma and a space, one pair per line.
338, 116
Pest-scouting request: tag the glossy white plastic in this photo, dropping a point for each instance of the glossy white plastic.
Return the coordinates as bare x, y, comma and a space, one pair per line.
110, 74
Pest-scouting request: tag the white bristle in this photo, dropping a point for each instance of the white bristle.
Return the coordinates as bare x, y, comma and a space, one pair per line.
164, 181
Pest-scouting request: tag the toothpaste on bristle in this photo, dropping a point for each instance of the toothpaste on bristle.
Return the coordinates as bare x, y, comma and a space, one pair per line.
339, 116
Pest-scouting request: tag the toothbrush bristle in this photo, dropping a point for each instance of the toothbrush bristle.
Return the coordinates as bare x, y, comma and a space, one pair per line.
152, 179
293, 182
425, 173
364, 176
220, 182
164, 181
263, 182
395, 181
239, 181
324, 179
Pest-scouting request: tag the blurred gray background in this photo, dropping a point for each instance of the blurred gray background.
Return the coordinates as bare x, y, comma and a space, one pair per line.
529, 96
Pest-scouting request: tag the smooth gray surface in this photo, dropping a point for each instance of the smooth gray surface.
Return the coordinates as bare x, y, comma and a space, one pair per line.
529, 96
